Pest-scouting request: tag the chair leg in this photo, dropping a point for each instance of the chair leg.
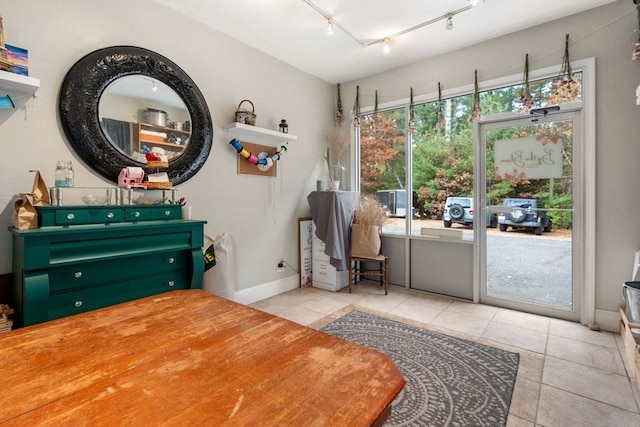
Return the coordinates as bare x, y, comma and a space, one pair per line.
386, 275
350, 273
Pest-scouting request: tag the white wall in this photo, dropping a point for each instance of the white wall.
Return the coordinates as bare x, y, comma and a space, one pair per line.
606, 33
260, 214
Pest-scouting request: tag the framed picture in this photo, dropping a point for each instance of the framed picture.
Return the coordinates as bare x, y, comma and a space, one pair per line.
305, 242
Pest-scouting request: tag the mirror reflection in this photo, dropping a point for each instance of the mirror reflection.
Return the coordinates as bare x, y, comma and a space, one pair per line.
138, 113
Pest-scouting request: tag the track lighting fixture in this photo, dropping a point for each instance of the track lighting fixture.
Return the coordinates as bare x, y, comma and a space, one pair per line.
331, 23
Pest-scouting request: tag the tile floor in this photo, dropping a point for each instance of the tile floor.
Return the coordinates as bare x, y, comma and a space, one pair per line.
568, 374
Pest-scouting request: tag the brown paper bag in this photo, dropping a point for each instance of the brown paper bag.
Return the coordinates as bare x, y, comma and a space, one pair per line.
24, 213
40, 191
365, 240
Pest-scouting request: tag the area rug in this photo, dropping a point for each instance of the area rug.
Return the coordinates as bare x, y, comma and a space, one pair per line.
450, 381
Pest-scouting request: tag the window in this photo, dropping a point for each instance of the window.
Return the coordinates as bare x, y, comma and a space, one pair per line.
383, 143
441, 149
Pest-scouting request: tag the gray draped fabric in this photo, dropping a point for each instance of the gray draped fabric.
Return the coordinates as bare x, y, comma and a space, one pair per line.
119, 133
332, 212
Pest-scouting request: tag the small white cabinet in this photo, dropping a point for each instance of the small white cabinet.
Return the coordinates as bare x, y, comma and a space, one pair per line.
324, 275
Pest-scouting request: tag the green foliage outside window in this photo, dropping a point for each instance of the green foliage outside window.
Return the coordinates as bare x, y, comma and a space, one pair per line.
442, 160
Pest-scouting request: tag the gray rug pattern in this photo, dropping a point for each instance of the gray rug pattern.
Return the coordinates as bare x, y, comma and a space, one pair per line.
450, 381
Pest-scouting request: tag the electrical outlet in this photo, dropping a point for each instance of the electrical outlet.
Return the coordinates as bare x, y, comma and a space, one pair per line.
281, 266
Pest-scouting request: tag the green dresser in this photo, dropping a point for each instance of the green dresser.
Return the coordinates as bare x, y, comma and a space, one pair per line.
60, 270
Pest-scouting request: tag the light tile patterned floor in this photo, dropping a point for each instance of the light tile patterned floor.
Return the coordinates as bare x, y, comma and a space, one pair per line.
568, 374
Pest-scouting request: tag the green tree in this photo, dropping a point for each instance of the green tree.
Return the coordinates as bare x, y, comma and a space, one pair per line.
442, 158
382, 151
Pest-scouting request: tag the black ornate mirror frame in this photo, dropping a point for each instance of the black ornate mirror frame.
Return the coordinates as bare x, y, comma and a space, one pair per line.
78, 108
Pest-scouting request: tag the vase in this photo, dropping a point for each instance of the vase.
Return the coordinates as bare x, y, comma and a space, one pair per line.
337, 172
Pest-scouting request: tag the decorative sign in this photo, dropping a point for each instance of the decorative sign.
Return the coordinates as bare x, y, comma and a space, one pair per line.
305, 242
528, 158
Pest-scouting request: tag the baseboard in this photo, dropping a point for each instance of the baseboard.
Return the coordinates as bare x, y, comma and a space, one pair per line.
266, 290
608, 320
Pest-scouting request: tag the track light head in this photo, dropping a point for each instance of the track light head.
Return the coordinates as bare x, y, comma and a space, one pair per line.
329, 26
385, 46
450, 22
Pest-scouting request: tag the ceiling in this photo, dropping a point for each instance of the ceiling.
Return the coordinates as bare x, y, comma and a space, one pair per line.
295, 33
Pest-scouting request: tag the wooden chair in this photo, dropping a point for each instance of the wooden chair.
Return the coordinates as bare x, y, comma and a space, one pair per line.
356, 270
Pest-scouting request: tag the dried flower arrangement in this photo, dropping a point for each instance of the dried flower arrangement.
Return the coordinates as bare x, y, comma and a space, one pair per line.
567, 88
370, 213
477, 111
339, 111
339, 143
636, 52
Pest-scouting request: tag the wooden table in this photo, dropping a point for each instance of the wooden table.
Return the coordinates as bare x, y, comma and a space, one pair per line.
189, 358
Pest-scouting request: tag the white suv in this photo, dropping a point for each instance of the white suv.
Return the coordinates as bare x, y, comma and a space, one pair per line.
460, 210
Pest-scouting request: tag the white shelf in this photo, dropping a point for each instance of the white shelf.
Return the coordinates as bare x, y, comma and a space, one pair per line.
248, 133
16, 84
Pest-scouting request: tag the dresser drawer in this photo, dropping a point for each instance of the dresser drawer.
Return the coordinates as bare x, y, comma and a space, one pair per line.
92, 273
49, 216
72, 252
318, 250
68, 303
152, 213
326, 273
80, 215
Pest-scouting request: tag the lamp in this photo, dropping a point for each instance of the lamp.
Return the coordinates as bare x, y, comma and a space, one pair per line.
385, 46
449, 22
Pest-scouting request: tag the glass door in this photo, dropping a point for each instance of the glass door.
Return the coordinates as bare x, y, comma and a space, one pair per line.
529, 184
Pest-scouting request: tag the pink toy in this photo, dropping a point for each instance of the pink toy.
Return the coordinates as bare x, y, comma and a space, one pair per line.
131, 177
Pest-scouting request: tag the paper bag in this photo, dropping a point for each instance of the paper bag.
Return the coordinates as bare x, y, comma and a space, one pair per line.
40, 192
365, 240
24, 213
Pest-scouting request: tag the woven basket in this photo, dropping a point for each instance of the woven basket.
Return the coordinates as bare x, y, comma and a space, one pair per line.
157, 164
167, 184
245, 116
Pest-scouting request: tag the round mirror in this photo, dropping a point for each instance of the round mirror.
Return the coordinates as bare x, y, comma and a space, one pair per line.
118, 103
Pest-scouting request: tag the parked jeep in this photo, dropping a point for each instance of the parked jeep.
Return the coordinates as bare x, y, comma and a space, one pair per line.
524, 213
460, 210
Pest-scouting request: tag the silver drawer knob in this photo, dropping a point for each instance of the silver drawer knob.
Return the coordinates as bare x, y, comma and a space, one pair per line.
136, 214
110, 215
171, 283
172, 260
77, 303
167, 213
77, 274
70, 216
